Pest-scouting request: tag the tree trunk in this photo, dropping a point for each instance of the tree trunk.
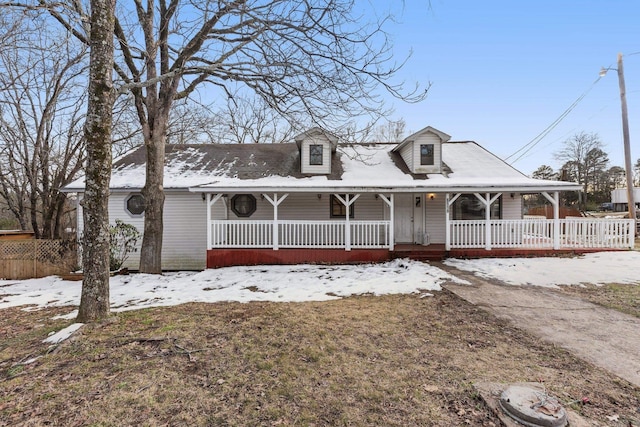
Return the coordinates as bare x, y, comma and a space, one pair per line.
94, 302
153, 192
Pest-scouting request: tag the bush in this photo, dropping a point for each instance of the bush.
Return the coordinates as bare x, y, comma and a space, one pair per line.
123, 241
8, 224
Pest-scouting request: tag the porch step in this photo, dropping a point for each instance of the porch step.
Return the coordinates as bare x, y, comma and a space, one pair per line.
421, 253
422, 257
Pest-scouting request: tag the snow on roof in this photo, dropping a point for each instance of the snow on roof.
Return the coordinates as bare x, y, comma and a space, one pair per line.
372, 166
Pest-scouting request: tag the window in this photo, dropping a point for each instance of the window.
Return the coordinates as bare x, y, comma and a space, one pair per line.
134, 204
315, 154
426, 154
243, 205
338, 210
467, 206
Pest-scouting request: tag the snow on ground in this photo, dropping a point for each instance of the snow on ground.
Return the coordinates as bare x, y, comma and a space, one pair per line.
318, 282
62, 334
259, 283
596, 268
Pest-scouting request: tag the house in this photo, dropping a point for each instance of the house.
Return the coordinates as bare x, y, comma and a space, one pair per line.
316, 200
619, 199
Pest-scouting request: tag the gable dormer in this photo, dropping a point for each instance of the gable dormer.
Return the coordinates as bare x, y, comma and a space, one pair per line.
316, 149
422, 151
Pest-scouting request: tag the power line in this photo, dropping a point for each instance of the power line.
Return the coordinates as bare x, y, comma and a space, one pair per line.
535, 141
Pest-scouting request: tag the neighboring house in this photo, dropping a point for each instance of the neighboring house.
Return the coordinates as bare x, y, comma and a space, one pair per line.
319, 201
619, 199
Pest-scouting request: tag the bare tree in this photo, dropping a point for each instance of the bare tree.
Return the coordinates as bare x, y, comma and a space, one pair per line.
578, 160
316, 59
249, 120
41, 143
94, 301
391, 131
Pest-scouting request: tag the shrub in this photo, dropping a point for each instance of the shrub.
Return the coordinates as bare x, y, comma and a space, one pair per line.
123, 241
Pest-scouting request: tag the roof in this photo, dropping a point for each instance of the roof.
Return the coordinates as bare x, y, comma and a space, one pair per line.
371, 167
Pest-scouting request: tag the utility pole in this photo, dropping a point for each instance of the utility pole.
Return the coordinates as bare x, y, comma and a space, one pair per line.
627, 144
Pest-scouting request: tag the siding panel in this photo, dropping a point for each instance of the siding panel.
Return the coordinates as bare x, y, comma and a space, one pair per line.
511, 207
406, 153
185, 232
435, 218
184, 239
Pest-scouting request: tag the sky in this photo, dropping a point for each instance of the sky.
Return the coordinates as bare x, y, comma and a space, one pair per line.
503, 71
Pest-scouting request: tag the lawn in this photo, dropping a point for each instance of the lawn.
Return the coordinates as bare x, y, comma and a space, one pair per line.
392, 360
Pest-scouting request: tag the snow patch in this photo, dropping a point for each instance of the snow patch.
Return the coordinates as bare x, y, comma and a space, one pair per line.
63, 334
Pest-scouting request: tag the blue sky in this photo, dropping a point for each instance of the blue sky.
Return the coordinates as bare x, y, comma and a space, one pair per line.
502, 71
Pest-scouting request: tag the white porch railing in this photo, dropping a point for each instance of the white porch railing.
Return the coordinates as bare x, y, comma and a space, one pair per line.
300, 234
241, 234
539, 233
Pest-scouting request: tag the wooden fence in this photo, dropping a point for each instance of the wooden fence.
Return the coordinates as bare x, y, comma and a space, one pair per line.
27, 259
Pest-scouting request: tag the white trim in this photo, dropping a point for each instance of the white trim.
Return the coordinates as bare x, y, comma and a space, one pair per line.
541, 233
213, 188
211, 199
555, 202
275, 202
347, 202
390, 202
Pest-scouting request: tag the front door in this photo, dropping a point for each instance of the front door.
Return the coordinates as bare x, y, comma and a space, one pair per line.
403, 218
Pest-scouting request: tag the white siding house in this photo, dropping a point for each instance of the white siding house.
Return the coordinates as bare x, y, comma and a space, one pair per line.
319, 201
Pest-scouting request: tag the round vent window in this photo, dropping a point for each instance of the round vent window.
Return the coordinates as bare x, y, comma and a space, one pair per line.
134, 204
243, 205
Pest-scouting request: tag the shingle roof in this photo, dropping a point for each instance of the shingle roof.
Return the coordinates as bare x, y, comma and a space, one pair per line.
354, 166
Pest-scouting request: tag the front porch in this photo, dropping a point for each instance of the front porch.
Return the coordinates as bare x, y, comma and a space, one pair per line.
239, 241
252, 242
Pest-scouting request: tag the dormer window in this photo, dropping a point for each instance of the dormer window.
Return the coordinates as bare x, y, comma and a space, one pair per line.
426, 154
316, 150
315, 155
422, 151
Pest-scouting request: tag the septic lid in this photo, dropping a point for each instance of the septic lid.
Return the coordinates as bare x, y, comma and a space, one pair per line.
532, 408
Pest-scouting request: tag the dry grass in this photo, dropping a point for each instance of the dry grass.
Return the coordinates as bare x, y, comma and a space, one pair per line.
392, 361
621, 297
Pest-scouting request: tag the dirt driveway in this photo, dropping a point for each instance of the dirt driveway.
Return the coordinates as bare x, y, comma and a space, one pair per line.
602, 336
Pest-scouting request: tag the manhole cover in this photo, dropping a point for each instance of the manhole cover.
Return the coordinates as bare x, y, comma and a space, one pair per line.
532, 408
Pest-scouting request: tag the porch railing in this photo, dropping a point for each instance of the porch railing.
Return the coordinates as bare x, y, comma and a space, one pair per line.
300, 234
540, 233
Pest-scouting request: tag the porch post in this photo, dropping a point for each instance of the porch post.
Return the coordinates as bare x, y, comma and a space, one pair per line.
392, 219
275, 227
347, 231
487, 222
487, 201
389, 203
447, 212
347, 202
208, 203
447, 224
556, 220
275, 202
555, 201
